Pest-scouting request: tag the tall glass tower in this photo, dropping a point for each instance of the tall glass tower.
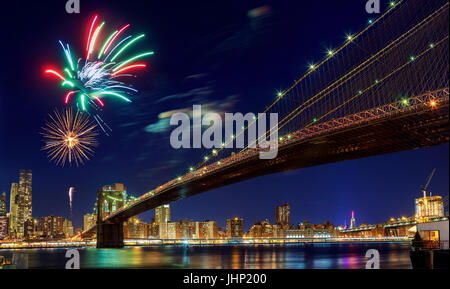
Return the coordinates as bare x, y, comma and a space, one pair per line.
24, 206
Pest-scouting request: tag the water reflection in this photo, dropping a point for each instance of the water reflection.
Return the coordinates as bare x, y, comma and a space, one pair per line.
262, 256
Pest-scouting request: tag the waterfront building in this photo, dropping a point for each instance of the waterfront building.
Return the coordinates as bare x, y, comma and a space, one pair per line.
235, 228
163, 230
24, 210
266, 230
135, 229
221, 234
52, 227
201, 230
154, 229
283, 215
3, 217
429, 207
212, 232
308, 230
187, 229
13, 208
89, 220
68, 228
162, 214
162, 217
3, 210
29, 229
173, 230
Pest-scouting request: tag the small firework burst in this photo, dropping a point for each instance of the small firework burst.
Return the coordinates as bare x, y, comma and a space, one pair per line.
69, 137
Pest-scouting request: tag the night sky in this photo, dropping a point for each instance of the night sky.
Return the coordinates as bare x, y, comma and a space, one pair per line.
223, 54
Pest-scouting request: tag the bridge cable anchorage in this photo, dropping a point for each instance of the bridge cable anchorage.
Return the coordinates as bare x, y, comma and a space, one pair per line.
330, 56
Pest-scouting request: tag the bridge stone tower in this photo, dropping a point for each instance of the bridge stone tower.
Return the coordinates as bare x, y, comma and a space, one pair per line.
109, 199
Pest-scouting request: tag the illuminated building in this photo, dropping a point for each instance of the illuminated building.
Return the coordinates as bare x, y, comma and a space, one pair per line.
308, 230
135, 229
429, 207
3, 217
78, 230
163, 233
13, 208
89, 220
235, 228
24, 209
352, 221
3, 205
187, 229
154, 229
212, 230
112, 198
29, 228
52, 227
162, 217
162, 214
283, 215
173, 230
201, 230
68, 228
206, 230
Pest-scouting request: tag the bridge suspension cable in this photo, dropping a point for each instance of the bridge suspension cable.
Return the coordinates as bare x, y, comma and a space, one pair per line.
285, 92
351, 74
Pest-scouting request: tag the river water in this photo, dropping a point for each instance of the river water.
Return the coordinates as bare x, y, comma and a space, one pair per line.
290, 256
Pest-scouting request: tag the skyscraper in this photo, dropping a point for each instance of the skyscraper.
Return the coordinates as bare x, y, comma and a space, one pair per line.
13, 207
3, 204
352, 221
24, 212
283, 216
3, 217
68, 228
235, 228
162, 214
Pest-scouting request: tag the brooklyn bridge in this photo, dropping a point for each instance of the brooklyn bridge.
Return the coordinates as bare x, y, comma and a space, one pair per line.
384, 90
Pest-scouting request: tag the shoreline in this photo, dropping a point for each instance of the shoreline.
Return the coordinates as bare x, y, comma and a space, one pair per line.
159, 242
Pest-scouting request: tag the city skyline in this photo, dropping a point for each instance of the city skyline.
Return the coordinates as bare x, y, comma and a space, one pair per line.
162, 214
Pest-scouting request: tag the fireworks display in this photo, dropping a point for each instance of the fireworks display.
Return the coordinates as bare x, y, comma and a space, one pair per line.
69, 137
100, 74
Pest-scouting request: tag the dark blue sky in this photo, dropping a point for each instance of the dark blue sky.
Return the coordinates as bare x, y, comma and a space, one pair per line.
206, 52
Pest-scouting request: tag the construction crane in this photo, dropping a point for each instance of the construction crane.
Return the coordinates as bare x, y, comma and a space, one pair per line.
424, 188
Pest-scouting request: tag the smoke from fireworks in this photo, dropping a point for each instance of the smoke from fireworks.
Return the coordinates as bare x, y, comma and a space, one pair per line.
71, 190
69, 136
100, 73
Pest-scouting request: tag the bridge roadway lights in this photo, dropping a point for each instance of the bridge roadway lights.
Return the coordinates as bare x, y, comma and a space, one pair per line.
110, 235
